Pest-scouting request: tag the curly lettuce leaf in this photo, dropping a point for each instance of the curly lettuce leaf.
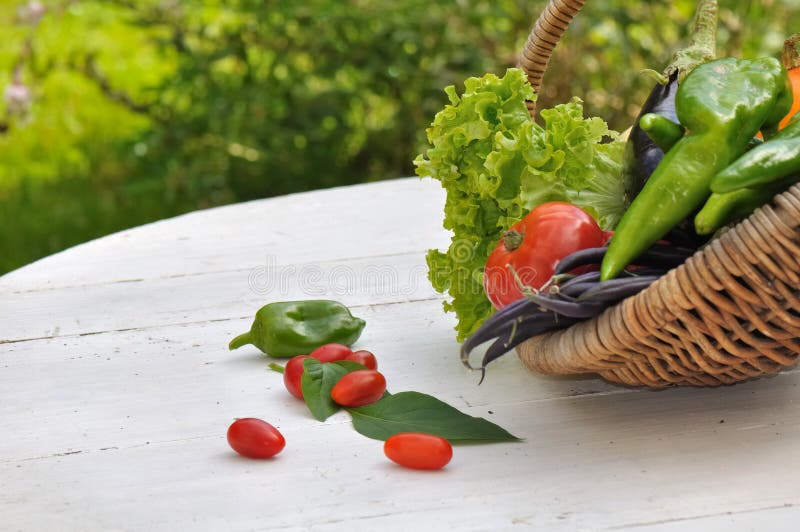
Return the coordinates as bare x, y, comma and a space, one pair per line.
585, 166
496, 164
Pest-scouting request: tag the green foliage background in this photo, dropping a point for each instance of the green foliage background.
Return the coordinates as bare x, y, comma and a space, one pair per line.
143, 109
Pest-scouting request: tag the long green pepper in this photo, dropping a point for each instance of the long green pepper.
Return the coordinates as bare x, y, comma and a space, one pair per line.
752, 180
722, 104
773, 160
723, 208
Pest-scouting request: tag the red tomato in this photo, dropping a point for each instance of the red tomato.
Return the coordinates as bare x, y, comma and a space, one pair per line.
534, 246
292, 373
330, 352
363, 357
417, 450
359, 388
255, 438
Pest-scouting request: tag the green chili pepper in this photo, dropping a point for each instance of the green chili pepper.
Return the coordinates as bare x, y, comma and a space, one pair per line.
719, 209
286, 329
661, 130
727, 207
723, 104
665, 133
752, 180
773, 160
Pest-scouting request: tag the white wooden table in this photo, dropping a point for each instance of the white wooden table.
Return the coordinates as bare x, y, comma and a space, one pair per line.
117, 387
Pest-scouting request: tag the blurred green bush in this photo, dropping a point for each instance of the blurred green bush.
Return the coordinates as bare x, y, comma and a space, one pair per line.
120, 112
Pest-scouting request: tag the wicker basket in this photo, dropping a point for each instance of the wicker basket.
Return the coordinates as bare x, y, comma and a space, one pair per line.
730, 313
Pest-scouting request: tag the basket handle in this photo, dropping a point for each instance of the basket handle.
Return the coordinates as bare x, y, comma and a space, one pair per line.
555, 18
546, 32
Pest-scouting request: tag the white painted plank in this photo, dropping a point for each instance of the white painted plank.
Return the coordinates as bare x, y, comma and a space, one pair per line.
159, 301
330, 478
141, 426
87, 384
396, 216
783, 518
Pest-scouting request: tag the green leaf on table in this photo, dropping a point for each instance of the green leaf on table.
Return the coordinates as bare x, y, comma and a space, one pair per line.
418, 412
318, 379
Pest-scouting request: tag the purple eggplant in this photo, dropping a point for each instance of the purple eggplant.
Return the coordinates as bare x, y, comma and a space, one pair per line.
641, 153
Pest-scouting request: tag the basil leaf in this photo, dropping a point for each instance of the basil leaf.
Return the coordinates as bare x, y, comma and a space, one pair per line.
418, 412
317, 381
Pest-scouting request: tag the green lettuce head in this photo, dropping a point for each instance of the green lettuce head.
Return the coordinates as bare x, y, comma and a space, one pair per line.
496, 164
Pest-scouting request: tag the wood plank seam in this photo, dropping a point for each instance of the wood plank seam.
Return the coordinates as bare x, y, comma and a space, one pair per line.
213, 272
198, 322
627, 526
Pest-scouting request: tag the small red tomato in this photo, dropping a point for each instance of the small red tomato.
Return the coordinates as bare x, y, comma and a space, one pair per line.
359, 388
417, 450
534, 246
330, 352
363, 357
292, 373
255, 438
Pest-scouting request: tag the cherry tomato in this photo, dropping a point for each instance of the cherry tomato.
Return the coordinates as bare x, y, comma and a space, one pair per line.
359, 388
363, 357
417, 450
330, 352
534, 246
292, 373
255, 438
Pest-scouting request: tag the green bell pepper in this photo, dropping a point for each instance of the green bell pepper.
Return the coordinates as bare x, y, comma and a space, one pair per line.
722, 104
289, 328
